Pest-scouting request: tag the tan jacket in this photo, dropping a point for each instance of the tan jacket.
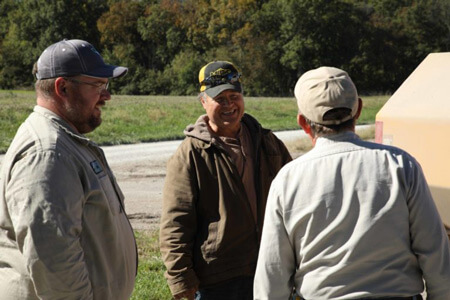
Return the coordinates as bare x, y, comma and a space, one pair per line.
208, 232
64, 233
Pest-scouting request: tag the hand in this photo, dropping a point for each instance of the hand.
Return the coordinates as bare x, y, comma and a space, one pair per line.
189, 294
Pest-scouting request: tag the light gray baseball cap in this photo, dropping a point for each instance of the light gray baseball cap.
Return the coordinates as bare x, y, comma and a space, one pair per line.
74, 57
323, 89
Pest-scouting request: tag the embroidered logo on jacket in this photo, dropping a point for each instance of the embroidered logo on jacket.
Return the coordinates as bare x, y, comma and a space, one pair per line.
96, 167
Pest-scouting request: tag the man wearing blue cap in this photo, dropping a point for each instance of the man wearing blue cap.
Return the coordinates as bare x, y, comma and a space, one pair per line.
215, 194
64, 233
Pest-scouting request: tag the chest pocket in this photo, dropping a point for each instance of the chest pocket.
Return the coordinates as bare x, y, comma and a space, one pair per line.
113, 195
110, 194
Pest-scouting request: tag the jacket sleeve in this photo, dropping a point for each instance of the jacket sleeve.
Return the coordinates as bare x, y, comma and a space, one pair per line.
432, 250
273, 145
45, 200
178, 221
276, 260
274, 156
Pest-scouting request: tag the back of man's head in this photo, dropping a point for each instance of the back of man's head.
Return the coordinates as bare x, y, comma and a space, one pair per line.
326, 96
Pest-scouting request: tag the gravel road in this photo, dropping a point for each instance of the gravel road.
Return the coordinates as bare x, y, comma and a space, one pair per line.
140, 170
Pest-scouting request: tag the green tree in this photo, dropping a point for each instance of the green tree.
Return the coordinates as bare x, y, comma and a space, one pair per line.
268, 77
319, 32
33, 25
224, 30
165, 42
162, 30
399, 36
145, 36
122, 43
182, 75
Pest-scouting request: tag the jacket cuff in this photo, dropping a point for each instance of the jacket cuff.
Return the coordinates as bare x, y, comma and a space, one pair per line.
184, 282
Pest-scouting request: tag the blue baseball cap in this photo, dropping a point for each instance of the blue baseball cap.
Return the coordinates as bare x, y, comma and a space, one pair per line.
72, 58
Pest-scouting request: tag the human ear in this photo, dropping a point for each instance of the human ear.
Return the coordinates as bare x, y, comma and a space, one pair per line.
360, 106
60, 87
203, 100
301, 121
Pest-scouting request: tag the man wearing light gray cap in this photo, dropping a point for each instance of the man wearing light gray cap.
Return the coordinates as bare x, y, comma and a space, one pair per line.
350, 219
64, 233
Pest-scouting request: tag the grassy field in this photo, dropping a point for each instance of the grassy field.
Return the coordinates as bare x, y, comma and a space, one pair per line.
150, 281
133, 119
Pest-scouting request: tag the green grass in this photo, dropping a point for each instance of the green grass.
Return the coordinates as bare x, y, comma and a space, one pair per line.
134, 119
15, 106
150, 281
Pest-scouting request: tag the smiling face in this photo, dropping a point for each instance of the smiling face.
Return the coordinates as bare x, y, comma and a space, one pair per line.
224, 112
82, 106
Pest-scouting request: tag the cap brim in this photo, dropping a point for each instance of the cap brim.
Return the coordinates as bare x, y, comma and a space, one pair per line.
215, 91
108, 71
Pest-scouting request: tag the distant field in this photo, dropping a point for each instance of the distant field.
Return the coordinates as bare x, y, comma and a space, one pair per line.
134, 119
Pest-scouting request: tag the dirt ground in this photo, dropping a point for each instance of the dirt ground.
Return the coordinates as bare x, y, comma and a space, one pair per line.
142, 185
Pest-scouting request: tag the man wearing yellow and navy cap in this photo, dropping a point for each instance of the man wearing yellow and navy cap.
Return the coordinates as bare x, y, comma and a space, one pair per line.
215, 193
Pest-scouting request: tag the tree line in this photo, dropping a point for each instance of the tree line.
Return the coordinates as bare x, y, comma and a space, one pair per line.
164, 43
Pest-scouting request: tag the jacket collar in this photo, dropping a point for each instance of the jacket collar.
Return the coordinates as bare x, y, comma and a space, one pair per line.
62, 124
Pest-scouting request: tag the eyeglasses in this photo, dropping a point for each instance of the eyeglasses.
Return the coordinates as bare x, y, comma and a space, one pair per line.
101, 86
216, 80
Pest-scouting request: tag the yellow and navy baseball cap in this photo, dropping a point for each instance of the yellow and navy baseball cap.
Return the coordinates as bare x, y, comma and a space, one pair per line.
218, 76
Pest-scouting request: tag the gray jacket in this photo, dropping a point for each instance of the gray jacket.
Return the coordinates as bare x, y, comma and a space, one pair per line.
64, 233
